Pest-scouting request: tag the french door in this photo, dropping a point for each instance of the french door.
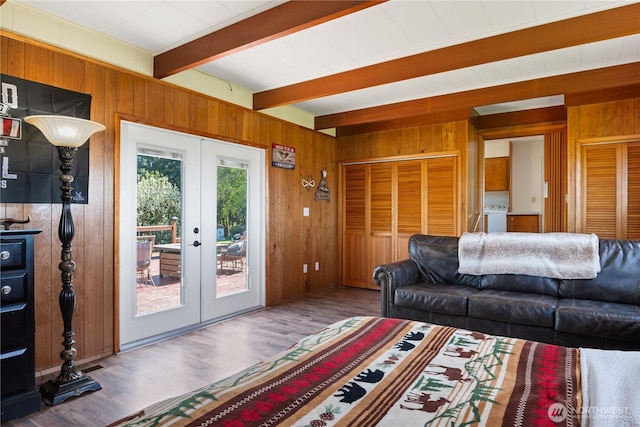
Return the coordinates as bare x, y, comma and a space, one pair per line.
200, 268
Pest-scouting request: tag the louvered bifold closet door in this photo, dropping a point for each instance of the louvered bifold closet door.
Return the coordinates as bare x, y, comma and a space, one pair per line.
354, 260
442, 196
601, 177
633, 191
381, 176
555, 153
411, 194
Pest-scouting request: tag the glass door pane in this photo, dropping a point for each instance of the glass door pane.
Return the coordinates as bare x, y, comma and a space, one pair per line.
232, 233
233, 212
159, 209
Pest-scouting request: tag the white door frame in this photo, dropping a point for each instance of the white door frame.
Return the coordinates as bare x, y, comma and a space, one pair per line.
195, 310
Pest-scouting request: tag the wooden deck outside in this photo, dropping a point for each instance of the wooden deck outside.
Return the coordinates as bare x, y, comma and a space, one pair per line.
166, 292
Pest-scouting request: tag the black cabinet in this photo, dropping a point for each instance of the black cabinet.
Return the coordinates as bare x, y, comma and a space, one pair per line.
17, 358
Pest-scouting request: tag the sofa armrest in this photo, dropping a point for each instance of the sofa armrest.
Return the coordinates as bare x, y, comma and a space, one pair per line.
390, 277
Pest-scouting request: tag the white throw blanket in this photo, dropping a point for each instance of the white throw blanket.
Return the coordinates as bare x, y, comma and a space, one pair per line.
610, 388
558, 255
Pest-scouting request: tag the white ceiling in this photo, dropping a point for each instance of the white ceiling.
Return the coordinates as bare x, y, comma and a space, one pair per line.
376, 34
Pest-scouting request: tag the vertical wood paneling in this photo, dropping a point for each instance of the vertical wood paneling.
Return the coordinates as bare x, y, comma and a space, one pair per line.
599, 196
153, 109
42, 60
288, 210
119, 93
180, 109
79, 281
354, 217
612, 118
138, 100
108, 195
214, 123
442, 196
15, 57
554, 176
381, 213
591, 120
93, 279
124, 94
634, 122
354, 195
47, 277
323, 156
306, 255
574, 170
628, 117
409, 202
633, 191
4, 59
381, 197
354, 267
219, 119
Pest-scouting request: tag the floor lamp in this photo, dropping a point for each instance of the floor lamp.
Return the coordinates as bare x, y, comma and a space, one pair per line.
66, 134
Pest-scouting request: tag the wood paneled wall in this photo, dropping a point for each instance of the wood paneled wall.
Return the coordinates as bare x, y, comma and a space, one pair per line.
416, 140
291, 238
615, 120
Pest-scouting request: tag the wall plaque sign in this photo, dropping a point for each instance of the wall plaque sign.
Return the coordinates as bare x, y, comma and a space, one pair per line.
283, 156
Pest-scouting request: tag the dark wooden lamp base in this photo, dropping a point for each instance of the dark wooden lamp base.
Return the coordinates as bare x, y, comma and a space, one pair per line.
54, 392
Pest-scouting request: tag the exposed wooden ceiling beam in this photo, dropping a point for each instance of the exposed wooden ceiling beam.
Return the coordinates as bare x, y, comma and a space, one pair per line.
524, 117
276, 22
602, 95
404, 122
598, 79
489, 121
590, 28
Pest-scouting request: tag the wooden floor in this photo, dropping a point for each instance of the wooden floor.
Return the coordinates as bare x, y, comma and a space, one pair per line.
138, 378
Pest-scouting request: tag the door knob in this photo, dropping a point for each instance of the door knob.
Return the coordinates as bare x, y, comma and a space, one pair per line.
196, 243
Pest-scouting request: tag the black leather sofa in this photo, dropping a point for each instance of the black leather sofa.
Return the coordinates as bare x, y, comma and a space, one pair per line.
603, 312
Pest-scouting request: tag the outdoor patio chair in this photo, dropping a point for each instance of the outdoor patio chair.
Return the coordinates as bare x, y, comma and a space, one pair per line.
234, 254
143, 260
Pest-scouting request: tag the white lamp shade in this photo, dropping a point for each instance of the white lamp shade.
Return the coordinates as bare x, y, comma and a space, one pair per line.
63, 130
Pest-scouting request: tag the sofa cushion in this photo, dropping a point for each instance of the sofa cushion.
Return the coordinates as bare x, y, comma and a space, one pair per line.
619, 277
513, 307
601, 319
446, 299
521, 283
437, 260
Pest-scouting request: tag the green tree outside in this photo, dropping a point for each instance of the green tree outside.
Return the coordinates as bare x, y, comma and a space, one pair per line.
159, 197
159, 200
232, 199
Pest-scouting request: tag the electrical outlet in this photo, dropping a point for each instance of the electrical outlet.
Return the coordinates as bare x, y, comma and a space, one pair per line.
304, 268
